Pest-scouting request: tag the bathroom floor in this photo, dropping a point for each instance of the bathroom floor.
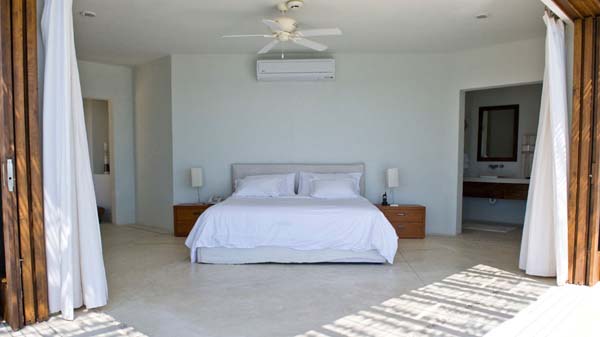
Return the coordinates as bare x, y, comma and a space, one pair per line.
494, 227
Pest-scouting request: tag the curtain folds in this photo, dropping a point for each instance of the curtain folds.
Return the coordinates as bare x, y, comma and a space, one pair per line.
76, 274
544, 248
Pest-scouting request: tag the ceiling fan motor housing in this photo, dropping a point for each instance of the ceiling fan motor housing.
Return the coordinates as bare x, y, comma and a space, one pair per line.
287, 24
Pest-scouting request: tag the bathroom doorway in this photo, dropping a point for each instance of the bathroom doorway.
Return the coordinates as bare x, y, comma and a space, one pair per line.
97, 124
500, 129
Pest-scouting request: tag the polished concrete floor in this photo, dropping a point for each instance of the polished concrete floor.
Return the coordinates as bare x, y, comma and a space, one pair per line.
465, 286
154, 288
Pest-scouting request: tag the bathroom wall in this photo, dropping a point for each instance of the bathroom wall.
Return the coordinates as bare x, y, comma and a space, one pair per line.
528, 97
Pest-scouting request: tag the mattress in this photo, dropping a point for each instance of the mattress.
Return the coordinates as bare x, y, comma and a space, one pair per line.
294, 223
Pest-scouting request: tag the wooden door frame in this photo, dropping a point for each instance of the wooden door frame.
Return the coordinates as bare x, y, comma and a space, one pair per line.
584, 170
14, 303
22, 208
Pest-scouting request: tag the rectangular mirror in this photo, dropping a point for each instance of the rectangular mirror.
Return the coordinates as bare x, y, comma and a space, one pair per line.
498, 133
96, 123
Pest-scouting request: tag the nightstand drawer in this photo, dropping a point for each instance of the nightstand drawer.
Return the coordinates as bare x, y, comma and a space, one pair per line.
188, 213
407, 220
185, 216
409, 230
395, 214
183, 228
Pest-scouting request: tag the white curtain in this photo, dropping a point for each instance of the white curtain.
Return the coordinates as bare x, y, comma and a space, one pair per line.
544, 249
76, 274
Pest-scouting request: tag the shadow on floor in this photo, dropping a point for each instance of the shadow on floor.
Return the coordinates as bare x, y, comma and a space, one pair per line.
470, 303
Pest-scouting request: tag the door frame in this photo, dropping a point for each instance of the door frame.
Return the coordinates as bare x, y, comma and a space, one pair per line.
20, 144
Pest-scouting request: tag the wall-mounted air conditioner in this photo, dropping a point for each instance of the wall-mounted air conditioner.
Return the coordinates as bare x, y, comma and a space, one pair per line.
295, 70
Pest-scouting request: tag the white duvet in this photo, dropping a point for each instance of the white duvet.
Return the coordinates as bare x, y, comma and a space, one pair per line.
301, 223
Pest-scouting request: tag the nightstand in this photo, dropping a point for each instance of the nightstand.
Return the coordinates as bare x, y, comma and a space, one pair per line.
185, 216
408, 220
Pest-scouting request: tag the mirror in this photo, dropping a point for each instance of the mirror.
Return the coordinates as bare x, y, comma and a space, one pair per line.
498, 133
96, 123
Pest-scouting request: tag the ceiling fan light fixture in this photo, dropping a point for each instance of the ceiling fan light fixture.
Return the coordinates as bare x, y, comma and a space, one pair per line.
283, 36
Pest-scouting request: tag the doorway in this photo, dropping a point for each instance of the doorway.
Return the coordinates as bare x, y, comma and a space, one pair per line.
500, 128
97, 124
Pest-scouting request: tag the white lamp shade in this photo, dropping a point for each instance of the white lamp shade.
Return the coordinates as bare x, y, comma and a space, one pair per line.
197, 177
392, 178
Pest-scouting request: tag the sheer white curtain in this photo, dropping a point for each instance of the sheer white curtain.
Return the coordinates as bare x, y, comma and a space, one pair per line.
544, 249
76, 273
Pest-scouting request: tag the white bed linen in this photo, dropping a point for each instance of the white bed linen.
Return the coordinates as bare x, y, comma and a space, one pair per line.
301, 223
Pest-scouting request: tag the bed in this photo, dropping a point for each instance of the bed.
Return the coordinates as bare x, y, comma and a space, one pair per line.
294, 229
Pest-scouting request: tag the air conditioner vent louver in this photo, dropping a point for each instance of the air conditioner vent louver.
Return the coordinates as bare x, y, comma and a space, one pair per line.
295, 70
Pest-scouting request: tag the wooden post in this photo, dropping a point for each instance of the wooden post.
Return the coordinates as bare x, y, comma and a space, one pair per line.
20, 142
584, 175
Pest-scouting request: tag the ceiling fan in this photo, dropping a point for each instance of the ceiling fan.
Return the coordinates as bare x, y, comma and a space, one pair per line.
284, 29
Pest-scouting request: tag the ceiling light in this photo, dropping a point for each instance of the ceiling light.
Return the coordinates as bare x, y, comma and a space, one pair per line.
482, 16
295, 4
87, 14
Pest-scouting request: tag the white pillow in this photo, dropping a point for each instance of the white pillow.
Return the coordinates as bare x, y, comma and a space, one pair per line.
272, 185
333, 189
305, 180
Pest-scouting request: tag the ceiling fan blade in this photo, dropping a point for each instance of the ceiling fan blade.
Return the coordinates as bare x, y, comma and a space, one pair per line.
319, 32
268, 47
273, 25
247, 35
309, 44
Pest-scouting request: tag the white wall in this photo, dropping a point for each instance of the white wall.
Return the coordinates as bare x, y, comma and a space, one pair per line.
387, 110
380, 109
153, 139
115, 84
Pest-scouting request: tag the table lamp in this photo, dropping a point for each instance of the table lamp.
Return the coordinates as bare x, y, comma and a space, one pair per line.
392, 180
197, 179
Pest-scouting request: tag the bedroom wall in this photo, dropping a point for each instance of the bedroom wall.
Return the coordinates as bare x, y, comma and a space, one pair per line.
153, 139
378, 111
387, 110
115, 84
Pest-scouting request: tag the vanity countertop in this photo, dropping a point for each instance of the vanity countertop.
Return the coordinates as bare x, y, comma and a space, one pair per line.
498, 180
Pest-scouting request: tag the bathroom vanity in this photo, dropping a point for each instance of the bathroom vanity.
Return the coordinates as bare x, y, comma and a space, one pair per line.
496, 188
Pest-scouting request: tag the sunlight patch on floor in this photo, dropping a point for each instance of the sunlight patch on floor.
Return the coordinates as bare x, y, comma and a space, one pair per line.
470, 303
85, 324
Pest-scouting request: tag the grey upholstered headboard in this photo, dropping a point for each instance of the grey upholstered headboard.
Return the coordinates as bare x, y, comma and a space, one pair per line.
242, 170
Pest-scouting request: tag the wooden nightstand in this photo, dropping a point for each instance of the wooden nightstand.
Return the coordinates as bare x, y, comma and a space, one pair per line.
185, 216
408, 220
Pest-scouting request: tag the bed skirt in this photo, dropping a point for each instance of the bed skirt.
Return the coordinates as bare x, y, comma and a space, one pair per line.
285, 255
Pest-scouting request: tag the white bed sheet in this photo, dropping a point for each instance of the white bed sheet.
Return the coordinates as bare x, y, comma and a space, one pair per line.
300, 223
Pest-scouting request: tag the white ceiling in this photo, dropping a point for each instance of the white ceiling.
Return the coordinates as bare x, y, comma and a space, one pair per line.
136, 31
